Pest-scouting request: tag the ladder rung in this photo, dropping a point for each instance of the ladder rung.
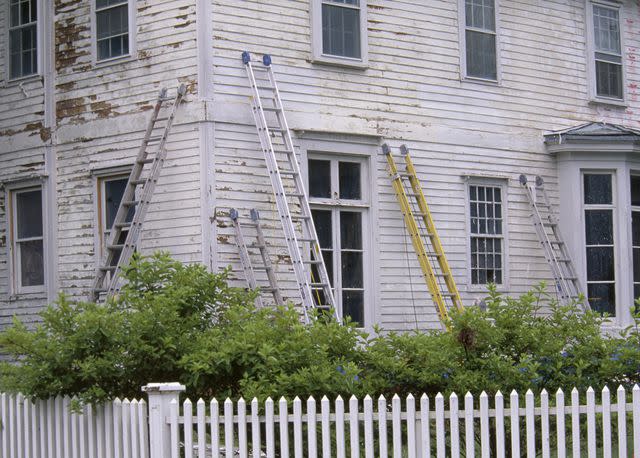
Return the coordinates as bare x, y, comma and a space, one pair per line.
99, 290
108, 268
130, 203
275, 129
271, 109
306, 240
312, 262
269, 88
119, 246
289, 173
262, 69
145, 161
155, 139
260, 268
283, 151
121, 225
318, 285
300, 218
138, 182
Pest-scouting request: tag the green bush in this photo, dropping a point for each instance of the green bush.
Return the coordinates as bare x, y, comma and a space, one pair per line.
180, 323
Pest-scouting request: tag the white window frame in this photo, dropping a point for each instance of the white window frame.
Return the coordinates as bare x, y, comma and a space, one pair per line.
591, 60
317, 54
39, 44
503, 185
133, 42
16, 287
462, 23
614, 210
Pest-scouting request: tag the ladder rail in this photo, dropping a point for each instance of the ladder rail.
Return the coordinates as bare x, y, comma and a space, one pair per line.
245, 260
432, 232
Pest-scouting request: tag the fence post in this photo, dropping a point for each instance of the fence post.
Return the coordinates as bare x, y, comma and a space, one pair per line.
160, 396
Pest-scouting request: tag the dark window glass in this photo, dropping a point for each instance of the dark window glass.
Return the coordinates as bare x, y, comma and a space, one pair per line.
635, 190
602, 297
322, 221
349, 180
609, 79
636, 265
353, 306
112, 27
600, 264
597, 189
341, 30
31, 263
29, 214
352, 273
599, 227
481, 55
319, 178
480, 14
635, 228
113, 190
351, 230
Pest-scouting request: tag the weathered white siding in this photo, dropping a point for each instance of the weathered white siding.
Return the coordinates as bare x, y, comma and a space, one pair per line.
411, 93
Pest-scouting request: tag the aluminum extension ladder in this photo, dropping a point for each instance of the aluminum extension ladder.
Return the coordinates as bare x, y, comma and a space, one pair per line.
555, 249
280, 157
137, 194
438, 275
248, 267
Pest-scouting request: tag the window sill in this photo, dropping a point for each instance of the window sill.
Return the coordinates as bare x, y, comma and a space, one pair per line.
608, 102
28, 295
475, 80
22, 80
360, 64
114, 61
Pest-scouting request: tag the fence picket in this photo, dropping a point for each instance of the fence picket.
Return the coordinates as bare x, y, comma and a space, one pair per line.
175, 434
500, 445
606, 423
255, 428
297, 427
575, 422
101, 440
515, 424
214, 424
28, 430
228, 428
411, 426
108, 430
485, 441
454, 424
242, 429
135, 431
440, 443
143, 427
340, 438
75, 440
202, 429
117, 427
382, 427
425, 431
187, 413
396, 425
58, 427
560, 424
126, 421
368, 427
270, 428
4, 404
284, 428
636, 420
469, 438
544, 424
325, 409
312, 439
354, 433
530, 424
622, 421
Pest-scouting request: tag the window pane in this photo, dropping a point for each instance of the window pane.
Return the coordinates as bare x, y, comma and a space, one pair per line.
105, 3
352, 276
31, 263
597, 189
600, 264
349, 180
636, 293
599, 227
340, 31
602, 297
353, 306
319, 178
480, 14
608, 79
351, 230
635, 228
322, 221
481, 55
112, 27
606, 28
113, 191
636, 265
29, 214
635, 190
14, 14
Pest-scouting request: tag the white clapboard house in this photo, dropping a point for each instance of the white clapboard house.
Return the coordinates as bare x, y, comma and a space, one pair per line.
479, 91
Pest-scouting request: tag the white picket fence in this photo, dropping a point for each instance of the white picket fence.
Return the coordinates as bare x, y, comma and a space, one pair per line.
605, 425
53, 429
413, 428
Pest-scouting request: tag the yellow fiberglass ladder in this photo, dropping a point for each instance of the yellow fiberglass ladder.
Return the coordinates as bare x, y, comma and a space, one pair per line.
424, 236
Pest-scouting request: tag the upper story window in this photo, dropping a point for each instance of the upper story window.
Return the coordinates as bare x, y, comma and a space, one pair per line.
606, 44
23, 38
486, 236
112, 29
340, 214
339, 31
27, 240
480, 57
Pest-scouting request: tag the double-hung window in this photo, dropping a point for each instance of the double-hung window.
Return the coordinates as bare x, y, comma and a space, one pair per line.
27, 240
339, 31
607, 62
23, 38
598, 207
340, 212
112, 29
480, 56
486, 234
635, 233
110, 192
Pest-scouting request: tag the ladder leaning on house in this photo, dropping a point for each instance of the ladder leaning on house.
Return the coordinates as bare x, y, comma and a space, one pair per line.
125, 231
555, 249
281, 161
248, 266
424, 237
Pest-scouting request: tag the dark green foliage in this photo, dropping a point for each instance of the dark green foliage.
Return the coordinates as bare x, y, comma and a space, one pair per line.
180, 323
